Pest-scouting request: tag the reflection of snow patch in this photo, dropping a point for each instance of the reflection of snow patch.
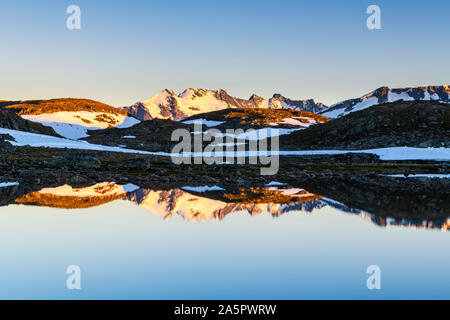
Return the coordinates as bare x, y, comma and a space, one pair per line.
203, 188
293, 192
8, 184
275, 183
97, 190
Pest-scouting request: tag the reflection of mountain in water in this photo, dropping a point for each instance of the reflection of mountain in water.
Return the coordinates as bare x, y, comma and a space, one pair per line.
69, 198
443, 224
207, 205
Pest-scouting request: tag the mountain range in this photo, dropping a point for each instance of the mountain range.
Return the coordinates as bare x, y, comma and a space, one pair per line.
78, 118
168, 105
200, 206
385, 95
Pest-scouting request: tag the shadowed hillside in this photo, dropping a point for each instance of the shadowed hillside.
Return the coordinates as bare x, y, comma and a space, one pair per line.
10, 120
402, 123
151, 135
258, 117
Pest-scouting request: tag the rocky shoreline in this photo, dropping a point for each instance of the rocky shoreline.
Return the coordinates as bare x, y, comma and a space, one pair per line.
56, 166
355, 180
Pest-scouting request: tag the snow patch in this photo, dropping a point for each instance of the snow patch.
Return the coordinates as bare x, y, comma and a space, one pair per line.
23, 138
262, 133
204, 122
292, 122
74, 125
391, 153
441, 176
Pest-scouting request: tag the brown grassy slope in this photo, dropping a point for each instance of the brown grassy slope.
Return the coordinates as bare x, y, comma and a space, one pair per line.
401, 123
255, 117
34, 107
265, 195
68, 202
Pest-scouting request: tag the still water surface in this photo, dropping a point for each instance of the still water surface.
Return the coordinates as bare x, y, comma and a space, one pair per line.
286, 243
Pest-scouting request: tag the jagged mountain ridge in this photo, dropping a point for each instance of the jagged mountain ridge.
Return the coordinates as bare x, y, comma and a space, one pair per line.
193, 206
72, 118
168, 105
386, 94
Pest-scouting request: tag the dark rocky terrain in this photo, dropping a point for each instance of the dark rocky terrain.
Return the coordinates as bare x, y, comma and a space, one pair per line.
402, 123
353, 179
155, 135
246, 118
10, 120
152, 135
400, 198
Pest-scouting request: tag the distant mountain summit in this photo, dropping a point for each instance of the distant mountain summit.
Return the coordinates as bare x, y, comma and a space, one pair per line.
386, 94
280, 102
168, 105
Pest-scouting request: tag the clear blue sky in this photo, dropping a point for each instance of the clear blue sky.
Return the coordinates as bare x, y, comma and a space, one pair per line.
130, 50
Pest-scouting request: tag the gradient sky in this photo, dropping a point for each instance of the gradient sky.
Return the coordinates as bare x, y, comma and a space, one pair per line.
130, 50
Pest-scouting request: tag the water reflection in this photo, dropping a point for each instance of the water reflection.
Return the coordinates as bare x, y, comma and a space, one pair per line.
202, 203
72, 198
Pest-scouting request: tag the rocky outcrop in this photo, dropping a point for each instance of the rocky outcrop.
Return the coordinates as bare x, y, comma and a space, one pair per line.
413, 199
10, 120
402, 123
151, 135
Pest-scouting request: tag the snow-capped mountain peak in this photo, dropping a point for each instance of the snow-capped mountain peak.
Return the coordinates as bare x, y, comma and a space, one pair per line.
168, 105
385, 95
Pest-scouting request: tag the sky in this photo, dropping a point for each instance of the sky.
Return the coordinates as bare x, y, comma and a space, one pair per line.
127, 51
